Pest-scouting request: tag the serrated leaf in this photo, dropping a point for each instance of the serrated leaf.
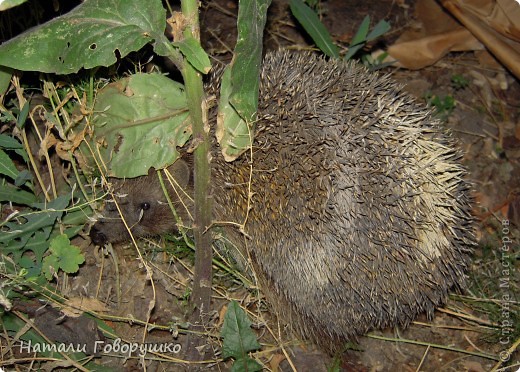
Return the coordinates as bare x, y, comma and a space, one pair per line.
50, 265
31, 230
69, 257
239, 338
246, 365
90, 35
313, 26
195, 54
139, 122
64, 256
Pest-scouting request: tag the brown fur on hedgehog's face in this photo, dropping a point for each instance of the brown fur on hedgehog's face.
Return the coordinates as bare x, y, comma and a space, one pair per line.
143, 206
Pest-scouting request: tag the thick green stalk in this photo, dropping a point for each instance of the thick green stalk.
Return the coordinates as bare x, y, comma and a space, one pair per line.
203, 254
201, 295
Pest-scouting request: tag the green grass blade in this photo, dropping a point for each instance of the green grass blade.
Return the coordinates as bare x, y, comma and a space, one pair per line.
381, 28
316, 30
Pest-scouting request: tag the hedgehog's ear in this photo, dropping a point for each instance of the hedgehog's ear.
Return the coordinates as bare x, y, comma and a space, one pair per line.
180, 170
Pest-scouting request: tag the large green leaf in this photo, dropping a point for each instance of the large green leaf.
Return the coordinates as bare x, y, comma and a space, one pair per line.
8, 4
239, 338
92, 34
247, 59
239, 94
139, 121
232, 131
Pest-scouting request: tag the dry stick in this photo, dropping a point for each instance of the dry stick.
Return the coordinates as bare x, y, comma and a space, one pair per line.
201, 294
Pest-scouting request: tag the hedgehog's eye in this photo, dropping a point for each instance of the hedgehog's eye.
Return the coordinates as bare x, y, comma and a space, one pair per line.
145, 206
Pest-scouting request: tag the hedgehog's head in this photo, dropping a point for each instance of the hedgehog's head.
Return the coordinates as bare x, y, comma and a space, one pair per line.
142, 204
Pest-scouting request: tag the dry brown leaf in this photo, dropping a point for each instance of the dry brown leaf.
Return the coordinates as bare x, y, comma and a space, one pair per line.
434, 34
74, 307
423, 52
493, 23
275, 361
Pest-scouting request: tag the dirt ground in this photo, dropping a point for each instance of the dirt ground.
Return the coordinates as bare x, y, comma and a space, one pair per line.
485, 120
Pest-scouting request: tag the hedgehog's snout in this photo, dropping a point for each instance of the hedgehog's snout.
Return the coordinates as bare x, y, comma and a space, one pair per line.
97, 237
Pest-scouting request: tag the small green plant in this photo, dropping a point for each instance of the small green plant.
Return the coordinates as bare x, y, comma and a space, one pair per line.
494, 290
321, 36
459, 82
239, 339
364, 35
37, 220
29, 227
34, 239
375, 63
444, 106
63, 256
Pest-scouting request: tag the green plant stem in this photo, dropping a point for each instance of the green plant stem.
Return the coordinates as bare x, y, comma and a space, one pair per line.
201, 295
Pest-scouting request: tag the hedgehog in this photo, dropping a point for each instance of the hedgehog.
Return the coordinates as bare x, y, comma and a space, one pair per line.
360, 214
